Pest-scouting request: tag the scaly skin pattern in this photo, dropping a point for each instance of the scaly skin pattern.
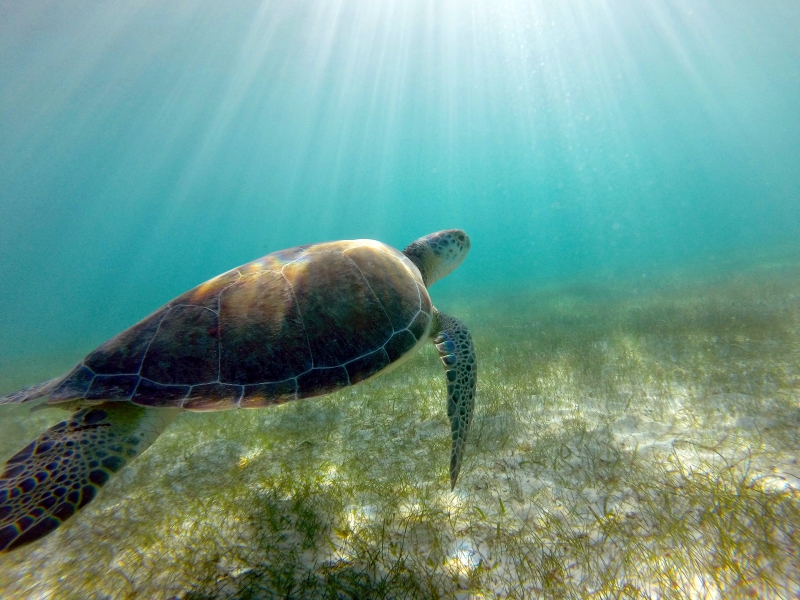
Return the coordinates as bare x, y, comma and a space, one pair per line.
47, 481
454, 344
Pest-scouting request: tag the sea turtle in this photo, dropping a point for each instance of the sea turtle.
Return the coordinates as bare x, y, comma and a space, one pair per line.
294, 324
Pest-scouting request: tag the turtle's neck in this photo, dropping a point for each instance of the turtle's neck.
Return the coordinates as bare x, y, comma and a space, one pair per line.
422, 256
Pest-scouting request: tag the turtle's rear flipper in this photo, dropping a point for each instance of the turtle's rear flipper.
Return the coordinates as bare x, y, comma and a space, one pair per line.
32, 392
454, 344
43, 484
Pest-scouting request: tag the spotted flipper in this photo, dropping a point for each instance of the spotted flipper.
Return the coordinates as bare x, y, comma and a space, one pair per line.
454, 344
47, 481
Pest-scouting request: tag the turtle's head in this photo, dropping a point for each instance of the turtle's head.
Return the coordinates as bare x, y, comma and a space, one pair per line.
437, 254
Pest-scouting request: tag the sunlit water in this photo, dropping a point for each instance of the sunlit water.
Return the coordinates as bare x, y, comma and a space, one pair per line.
584, 146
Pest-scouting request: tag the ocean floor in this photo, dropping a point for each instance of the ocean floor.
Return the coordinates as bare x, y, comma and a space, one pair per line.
631, 440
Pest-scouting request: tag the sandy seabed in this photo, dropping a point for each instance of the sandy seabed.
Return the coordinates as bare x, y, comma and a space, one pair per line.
629, 441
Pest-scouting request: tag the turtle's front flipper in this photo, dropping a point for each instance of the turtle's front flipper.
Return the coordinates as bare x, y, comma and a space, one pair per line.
43, 484
454, 344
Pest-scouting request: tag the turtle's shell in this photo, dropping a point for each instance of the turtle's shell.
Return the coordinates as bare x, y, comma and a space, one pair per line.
296, 323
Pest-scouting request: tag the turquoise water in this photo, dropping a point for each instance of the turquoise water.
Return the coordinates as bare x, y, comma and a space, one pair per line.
629, 175
148, 146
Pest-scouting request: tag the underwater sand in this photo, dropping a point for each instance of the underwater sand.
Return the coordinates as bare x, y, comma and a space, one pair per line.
631, 440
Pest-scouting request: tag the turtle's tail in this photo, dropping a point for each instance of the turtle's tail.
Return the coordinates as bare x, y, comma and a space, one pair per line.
47, 481
32, 392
